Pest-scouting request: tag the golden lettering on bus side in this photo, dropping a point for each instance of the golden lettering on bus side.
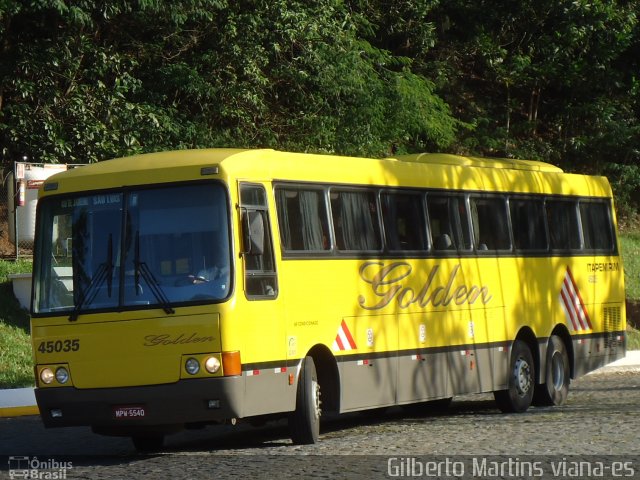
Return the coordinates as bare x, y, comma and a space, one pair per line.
389, 283
603, 267
379, 281
166, 339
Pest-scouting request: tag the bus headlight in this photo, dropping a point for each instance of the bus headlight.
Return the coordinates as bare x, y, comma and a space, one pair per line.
62, 375
46, 375
192, 366
212, 364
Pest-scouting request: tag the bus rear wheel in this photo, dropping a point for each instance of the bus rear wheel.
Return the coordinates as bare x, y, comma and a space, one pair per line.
555, 389
304, 421
519, 393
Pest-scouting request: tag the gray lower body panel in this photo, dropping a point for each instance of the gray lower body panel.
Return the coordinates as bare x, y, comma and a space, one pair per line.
174, 404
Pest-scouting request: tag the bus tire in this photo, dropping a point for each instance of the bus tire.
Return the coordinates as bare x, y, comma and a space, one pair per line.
555, 389
520, 386
304, 421
148, 443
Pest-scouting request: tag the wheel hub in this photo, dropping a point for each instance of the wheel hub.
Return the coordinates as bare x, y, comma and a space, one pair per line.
557, 371
315, 389
522, 375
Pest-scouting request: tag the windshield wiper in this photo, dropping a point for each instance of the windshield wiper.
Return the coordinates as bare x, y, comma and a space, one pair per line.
141, 268
104, 272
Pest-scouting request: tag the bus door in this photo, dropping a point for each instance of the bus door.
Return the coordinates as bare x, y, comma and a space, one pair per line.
259, 320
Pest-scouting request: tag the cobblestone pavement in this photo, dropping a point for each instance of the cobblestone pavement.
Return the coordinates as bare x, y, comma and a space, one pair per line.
600, 419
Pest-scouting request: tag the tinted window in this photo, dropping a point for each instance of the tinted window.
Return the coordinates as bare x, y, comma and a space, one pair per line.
302, 216
562, 220
260, 273
404, 221
355, 220
596, 225
140, 248
448, 222
490, 224
527, 222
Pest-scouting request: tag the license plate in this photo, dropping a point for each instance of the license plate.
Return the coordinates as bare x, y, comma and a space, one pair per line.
129, 411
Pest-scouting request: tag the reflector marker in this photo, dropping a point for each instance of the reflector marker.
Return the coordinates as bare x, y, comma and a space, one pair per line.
572, 304
344, 340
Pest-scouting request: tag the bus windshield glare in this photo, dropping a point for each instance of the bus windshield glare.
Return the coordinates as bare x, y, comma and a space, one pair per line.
133, 248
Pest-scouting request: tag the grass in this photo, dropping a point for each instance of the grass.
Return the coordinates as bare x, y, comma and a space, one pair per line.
633, 338
630, 243
631, 260
16, 361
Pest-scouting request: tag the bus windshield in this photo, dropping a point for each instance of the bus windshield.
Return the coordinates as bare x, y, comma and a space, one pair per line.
152, 247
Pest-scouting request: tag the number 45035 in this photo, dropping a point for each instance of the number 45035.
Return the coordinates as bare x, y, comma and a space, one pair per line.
68, 345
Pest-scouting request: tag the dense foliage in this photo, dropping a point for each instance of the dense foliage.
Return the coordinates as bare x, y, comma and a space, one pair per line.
83, 80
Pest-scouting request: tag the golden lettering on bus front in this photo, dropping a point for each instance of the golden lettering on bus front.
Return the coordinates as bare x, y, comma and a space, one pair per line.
395, 283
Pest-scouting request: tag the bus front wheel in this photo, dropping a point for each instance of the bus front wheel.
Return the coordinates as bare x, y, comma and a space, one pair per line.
304, 421
519, 393
555, 389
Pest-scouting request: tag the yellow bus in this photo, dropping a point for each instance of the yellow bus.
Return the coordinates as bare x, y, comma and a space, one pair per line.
177, 289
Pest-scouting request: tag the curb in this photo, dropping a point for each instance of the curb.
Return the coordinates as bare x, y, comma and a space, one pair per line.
6, 412
18, 402
630, 363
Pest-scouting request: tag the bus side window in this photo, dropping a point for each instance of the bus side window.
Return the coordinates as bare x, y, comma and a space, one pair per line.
527, 221
490, 224
355, 220
448, 222
597, 228
562, 221
302, 218
260, 277
404, 221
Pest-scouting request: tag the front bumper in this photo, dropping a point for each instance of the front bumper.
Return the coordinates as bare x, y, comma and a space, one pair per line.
171, 405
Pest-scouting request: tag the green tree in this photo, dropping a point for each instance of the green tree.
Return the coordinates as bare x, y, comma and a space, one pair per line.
64, 91
537, 79
87, 81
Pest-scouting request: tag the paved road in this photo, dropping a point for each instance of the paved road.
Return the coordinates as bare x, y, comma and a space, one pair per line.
601, 418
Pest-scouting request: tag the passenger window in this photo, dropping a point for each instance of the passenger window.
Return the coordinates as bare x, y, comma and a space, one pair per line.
597, 227
527, 221
355, 220
404, 221
448, 222
259, 266
562, 221
302, 218
490, 224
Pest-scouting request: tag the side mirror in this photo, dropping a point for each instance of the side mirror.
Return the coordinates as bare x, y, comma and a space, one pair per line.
253, 232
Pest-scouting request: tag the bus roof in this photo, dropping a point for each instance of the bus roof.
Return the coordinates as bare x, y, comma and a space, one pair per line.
479, 162
431, 170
